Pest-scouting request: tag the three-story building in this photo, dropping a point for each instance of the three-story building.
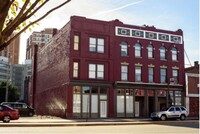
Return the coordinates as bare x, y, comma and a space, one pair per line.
106, 69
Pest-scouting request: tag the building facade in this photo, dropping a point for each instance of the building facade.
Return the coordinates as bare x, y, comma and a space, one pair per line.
5, 72
40, 39
106, 69
12, 51
17, 78
192, 89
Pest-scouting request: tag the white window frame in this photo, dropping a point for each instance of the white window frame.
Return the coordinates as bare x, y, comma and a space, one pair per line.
97, 46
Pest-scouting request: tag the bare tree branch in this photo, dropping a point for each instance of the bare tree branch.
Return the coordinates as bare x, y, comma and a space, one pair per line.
11, 39
19, 20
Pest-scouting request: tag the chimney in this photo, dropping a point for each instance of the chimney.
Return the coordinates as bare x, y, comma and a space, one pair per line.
196, 63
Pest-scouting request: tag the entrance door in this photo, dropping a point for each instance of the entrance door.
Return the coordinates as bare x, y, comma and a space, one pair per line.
103, 109
137, 109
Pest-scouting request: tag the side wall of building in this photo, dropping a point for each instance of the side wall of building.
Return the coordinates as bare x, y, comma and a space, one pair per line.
52, 76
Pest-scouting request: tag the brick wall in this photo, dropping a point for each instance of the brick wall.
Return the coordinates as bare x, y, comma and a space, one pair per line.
194, 107
52, 75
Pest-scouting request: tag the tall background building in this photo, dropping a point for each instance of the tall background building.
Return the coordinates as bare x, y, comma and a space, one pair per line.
12, 51
40, 39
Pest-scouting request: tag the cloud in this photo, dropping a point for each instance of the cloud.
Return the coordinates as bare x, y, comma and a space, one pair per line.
116, 9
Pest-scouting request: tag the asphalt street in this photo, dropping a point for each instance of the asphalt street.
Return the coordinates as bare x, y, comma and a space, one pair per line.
120, 129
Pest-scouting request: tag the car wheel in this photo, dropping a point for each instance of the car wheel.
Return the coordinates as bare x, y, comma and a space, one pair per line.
30, 114
182, 117
163, 117
6, 119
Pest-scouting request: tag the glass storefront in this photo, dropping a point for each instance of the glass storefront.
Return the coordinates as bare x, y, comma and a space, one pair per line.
89, 102
141, 102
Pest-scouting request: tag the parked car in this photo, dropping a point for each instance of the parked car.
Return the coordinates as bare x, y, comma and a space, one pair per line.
7, 113
174, 112
24, 109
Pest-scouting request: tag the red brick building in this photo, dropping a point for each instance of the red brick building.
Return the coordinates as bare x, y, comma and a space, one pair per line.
106, 69
192, 89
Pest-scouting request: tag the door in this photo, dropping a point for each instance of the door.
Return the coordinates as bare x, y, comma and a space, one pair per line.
137, 109
103, 109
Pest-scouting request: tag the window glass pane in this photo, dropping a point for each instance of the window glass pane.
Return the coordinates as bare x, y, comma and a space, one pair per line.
100, 49
75, 70
100, 71
124, 49
92, 44
92, 48
76, 103
150, 51
137, 50
94, 105
162, 75
92, 67
162, 53
174, 54
138, 73
85, 90
92, 70
150, 71
92, 40
76, 42
120, 104
100, 41
124, 72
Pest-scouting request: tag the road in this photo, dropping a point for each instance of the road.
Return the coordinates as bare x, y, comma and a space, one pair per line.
116, 129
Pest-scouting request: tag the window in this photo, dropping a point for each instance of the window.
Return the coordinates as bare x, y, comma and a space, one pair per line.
163, 75
174, 54
96, 71
96, 45
150, 74
76, 42
177, 109
162, 53
124, 72
150, 51
124, 49
137, 50
171, 109
175, 75
75, 69
138, 73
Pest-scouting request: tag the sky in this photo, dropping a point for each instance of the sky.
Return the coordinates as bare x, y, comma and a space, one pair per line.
163, 14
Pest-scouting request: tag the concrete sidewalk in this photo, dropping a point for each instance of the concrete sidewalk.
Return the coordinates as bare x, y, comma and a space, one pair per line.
47, 121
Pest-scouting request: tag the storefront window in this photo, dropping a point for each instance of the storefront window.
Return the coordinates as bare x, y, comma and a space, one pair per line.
177, 97
139, 92
161, 93
77, 99
171, 98
120, 102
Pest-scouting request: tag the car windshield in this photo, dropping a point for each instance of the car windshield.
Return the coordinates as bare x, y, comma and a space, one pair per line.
6, 106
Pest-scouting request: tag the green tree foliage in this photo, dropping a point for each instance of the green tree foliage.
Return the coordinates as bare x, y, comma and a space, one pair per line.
18, 16
13, 92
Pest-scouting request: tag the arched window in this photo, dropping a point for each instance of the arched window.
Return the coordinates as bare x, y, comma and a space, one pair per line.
174, 54
162, 53
137, 50
150, 51
124, 49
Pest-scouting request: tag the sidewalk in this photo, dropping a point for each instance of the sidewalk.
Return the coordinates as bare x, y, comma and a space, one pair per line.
46, 121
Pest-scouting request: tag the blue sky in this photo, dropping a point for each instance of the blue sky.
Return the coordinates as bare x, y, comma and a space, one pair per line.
163, 14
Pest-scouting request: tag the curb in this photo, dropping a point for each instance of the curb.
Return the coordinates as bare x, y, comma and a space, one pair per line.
94, 123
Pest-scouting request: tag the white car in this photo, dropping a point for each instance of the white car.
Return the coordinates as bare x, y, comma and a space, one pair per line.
174, 112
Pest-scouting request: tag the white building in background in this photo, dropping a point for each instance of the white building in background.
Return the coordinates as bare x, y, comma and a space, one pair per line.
18, 77
16, 74
4, 68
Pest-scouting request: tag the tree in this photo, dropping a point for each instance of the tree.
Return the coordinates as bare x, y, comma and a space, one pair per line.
16, 15
13, 92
